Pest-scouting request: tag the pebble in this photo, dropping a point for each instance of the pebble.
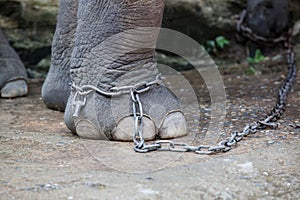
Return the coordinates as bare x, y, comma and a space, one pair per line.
61, 143
270, 142
266, 173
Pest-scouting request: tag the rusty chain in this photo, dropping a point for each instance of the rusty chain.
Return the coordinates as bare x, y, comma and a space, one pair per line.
236, 136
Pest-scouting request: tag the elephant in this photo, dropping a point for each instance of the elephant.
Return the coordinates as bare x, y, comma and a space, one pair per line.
13, 76
88, 52
267, 18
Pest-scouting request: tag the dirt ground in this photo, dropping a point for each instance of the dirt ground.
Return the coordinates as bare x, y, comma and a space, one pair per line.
41, 159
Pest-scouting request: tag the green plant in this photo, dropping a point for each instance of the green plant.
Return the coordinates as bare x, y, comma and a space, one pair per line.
251, 71
218, 43
221, 42
210, 46
258, 57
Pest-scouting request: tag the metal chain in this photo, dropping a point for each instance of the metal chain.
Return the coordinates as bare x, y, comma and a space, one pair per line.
140, 146
80, 96
247, 32
137, 110
236, 136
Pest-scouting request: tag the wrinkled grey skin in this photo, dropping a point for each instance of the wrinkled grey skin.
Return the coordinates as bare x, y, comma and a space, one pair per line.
83, 53
267, 18
12, 71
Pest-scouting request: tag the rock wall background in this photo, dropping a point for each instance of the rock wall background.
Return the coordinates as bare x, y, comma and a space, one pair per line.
30, 24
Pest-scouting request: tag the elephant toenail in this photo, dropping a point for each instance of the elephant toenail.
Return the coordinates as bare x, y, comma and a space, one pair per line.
87, 129
125, 129
173, 126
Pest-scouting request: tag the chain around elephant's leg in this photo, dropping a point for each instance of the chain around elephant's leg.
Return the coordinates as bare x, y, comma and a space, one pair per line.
112, 51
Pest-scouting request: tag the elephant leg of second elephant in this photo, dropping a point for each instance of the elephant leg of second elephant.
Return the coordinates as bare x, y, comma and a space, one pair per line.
56, 88
113, 50
267, 18
12, 71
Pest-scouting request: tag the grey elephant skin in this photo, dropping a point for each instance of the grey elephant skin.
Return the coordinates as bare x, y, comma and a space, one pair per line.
101, 44
267, 18
13, 75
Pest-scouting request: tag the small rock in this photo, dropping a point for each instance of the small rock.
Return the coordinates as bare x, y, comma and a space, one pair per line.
266, 173
270, 142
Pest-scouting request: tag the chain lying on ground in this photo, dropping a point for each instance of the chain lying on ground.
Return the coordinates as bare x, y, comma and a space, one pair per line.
287, 85
224, 145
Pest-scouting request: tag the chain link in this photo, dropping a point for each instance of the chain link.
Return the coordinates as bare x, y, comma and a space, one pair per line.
140, 146
247, 32
137, 110
235, 137
80, 96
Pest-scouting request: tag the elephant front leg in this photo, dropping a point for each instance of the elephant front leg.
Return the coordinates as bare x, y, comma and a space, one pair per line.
114, 53
12, 71
56, 88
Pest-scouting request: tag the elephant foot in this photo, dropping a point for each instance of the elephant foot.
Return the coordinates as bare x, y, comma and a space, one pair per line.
14, 89
96, 116
56, 90
174, 125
